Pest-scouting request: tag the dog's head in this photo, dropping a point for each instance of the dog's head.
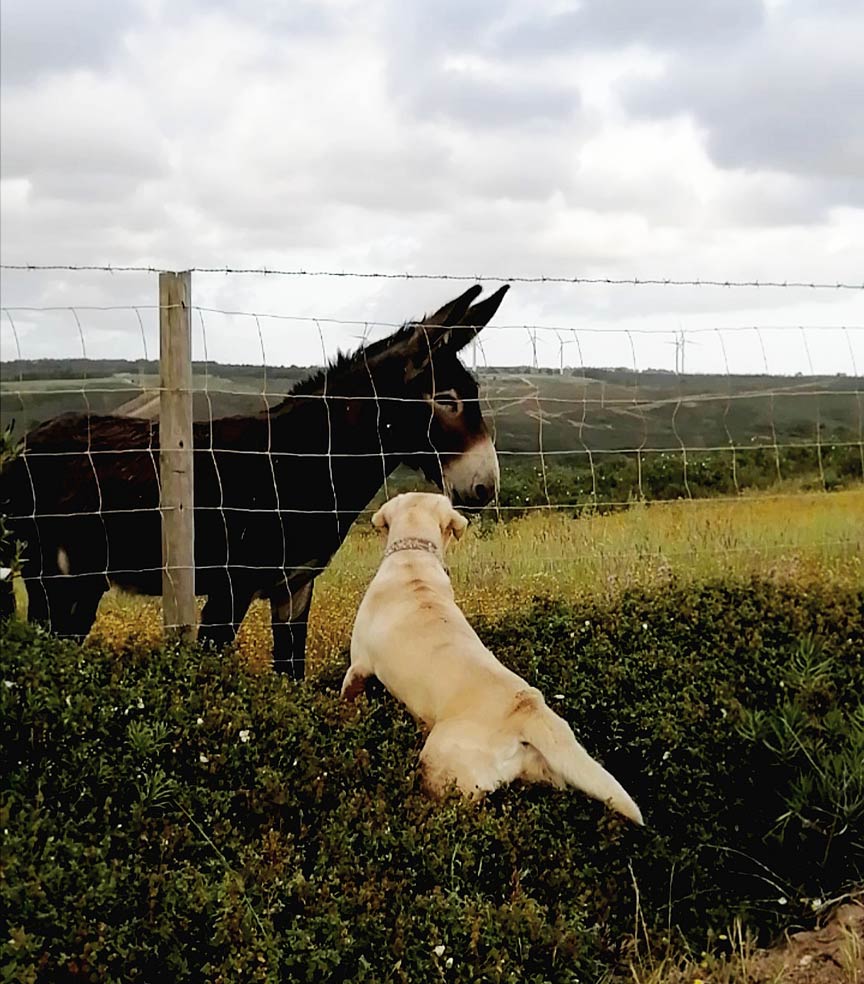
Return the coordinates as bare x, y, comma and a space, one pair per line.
420, 514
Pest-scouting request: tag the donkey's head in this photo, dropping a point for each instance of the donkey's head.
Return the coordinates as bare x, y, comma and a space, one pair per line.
432, 419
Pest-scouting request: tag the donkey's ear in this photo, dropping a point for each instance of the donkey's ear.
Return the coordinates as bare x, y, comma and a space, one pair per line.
444, 328
453, 312
477, 317
434, 332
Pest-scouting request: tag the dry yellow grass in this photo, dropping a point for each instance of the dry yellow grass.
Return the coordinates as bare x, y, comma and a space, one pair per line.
803, 537
832, 952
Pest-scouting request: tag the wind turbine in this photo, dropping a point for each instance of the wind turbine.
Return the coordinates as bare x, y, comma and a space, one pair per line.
680, 342
532, 335
561, 343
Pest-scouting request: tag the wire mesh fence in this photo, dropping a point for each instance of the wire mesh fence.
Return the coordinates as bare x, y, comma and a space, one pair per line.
584, 420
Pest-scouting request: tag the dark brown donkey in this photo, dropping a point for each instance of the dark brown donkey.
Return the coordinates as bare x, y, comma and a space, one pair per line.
275, 493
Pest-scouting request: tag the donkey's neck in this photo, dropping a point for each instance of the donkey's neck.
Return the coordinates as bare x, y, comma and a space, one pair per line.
345, 450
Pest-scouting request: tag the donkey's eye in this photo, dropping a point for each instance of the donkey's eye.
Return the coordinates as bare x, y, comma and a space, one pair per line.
449, 401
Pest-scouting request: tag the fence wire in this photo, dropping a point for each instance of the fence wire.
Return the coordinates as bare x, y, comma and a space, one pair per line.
457, 277
539, 433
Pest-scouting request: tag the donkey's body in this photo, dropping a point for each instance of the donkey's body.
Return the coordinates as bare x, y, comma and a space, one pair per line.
275, 493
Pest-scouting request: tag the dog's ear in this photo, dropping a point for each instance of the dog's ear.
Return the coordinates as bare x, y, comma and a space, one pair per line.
381, 519
457, 524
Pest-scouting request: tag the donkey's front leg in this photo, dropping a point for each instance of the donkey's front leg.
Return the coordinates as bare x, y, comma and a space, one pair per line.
289, 611
224, 610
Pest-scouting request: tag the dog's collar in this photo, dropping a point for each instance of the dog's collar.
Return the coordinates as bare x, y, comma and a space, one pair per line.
415, 543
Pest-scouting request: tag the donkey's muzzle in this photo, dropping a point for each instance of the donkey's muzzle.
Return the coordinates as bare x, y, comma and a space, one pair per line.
472, 477
480, 495
476, 495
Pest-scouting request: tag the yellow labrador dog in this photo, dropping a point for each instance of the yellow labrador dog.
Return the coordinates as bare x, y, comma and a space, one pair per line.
487, 725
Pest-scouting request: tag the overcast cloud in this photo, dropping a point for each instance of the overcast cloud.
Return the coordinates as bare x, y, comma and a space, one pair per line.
608, 138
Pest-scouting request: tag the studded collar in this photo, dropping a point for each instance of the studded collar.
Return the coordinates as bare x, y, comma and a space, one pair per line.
415, 543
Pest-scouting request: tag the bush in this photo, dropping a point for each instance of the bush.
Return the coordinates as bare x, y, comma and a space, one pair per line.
614, 480
174, 815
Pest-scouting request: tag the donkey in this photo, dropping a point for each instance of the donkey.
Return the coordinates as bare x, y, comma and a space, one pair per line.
275, 493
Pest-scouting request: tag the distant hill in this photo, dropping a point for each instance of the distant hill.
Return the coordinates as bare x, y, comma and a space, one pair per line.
581, 409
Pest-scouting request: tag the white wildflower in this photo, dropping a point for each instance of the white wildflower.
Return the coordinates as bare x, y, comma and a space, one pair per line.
244, 735
438, 950
558, 696
199, 721
8, 684
202, 758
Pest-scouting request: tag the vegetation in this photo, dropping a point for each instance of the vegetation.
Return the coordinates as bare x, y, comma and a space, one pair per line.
176, 813
497, 569
172, 814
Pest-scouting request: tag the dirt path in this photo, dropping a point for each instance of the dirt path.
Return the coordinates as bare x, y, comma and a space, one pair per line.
832, 954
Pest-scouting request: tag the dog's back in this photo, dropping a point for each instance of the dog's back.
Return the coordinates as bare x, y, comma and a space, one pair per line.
419, 644
488, 726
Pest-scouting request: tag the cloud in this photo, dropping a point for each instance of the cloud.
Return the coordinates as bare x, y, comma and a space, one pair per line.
557, 139
46, 37
594, 24
81, 136
443, 63
787, 99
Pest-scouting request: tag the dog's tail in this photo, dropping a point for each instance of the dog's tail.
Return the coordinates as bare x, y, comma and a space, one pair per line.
555, 741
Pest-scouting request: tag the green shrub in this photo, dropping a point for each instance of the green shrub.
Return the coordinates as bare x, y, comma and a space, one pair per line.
615, 479
174, 815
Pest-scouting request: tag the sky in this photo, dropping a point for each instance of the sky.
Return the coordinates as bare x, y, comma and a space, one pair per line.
718, 140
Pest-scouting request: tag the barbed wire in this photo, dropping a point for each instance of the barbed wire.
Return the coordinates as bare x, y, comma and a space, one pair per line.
478, 278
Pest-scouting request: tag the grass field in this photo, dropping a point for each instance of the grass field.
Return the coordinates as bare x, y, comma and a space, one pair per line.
174, 811
177, 811
498, 568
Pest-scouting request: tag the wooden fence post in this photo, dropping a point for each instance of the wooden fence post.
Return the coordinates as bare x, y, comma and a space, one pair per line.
179, 613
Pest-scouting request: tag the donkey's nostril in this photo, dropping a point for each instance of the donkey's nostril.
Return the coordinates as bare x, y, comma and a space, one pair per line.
482, 493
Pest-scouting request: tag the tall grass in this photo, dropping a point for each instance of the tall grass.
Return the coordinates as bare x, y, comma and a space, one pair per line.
500, 567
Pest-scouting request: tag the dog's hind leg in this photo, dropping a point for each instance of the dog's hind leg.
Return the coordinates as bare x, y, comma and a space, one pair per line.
354, 683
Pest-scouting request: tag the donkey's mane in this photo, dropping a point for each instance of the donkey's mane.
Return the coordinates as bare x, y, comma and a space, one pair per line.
344, 366
347, 363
